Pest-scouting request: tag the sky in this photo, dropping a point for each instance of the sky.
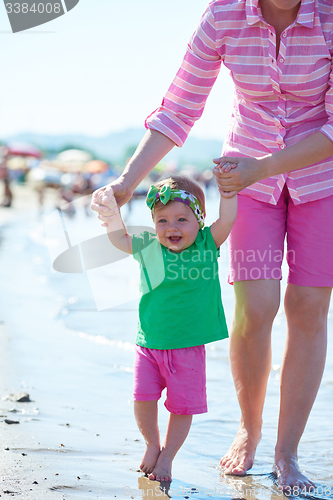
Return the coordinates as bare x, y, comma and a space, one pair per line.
100, 68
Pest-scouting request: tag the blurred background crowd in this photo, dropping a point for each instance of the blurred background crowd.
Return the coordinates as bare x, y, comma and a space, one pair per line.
73, 172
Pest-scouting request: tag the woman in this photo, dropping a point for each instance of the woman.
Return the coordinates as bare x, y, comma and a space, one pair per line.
281, 143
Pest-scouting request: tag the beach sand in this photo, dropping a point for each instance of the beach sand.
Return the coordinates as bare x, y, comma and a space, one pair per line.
77, 438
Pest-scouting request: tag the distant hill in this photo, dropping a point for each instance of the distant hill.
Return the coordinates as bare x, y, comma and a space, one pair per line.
114, 146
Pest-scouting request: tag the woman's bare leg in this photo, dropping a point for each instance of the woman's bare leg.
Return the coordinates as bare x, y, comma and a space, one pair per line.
257, 303
146, 417
301, 373
177, 431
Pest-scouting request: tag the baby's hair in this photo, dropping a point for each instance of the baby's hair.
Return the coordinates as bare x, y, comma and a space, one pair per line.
186, 184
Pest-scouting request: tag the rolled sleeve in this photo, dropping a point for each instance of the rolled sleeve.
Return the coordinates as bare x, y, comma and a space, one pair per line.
327, 129
185, 100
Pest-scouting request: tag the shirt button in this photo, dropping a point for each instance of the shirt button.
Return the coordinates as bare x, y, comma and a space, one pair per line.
282, 146
281, 60
284, 35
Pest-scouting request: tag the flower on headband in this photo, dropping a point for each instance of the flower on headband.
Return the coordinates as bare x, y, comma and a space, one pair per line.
186, 194
199, 215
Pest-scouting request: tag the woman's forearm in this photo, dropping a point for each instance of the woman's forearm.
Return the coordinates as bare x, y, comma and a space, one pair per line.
153, 147
307, 152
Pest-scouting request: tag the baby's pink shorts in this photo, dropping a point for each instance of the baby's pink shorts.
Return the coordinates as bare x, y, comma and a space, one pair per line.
181, 371
256, 242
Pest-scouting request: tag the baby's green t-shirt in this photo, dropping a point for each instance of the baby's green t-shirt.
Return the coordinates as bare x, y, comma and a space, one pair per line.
180, 304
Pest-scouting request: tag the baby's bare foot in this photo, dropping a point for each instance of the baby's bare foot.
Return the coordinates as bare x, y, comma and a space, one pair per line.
289, 477
149, 458
162, 469
240, 456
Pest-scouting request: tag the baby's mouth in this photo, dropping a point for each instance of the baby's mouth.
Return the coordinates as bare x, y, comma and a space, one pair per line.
175, 239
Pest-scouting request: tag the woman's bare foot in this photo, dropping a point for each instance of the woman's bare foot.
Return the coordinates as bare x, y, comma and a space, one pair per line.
149, 458
289, 476
162, 469
240, 456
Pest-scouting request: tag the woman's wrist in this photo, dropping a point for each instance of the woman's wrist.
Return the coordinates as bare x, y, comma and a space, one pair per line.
267, 166
126, 182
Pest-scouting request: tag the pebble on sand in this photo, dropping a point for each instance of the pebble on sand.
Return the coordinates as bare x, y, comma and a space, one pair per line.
21, 397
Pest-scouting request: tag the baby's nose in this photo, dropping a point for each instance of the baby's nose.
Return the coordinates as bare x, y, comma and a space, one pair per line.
172, 226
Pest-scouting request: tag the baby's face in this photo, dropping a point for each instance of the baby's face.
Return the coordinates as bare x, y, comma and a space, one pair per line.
176, 225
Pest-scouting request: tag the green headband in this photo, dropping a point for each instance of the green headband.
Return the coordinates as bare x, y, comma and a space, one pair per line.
166, 194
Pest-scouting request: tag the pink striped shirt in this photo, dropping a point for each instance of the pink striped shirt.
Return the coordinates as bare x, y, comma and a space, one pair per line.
277, 101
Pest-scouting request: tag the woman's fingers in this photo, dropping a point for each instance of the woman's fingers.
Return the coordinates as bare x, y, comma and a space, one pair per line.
229, 181
223, 175
247, 172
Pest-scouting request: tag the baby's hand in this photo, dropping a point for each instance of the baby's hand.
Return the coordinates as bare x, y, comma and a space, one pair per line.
106, 221
103, 202
112, 211
107, 199
226, 167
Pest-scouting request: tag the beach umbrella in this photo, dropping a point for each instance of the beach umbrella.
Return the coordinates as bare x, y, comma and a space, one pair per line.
74, 155
17, 163
96, 167
23, 149
72, 160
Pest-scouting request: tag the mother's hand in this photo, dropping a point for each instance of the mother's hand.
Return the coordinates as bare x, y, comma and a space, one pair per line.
105, 196
247, 172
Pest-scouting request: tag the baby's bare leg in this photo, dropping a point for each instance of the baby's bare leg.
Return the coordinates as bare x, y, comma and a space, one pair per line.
146, 417
178, 429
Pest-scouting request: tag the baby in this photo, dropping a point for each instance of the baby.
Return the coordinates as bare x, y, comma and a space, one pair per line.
180, 309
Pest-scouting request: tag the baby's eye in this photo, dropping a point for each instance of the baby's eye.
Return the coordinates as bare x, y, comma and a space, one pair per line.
161, 221
182, 219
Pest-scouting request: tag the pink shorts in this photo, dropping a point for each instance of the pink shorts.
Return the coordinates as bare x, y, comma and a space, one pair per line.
256, 242
181, 371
